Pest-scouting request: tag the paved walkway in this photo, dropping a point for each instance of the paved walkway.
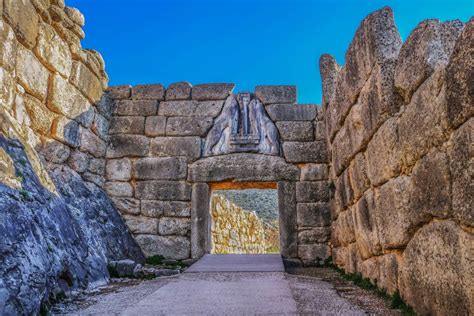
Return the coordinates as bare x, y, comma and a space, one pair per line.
227, 285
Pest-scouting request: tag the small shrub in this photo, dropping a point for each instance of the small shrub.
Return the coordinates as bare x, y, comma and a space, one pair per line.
396, 302
155, 260
24, 194
112, 271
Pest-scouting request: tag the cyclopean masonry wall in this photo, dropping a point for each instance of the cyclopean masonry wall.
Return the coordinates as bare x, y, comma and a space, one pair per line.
58, 230
400, 128
168, 148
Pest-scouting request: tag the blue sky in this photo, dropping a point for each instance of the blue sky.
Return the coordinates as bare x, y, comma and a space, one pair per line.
247, 42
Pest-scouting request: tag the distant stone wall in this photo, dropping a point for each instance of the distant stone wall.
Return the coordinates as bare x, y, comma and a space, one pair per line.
400, 131
157, 151
235, 230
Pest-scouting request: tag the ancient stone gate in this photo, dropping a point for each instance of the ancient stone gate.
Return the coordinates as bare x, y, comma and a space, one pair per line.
169, 149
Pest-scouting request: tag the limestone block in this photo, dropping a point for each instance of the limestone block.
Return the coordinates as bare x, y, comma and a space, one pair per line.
8, 49
7, 89
313, 214
86, 118
389, 272
21, 15
91, 143
358, 175
344, 229
40, 116
171, 247
292, 112
156, 209
163, 190
314, 172
78, 161
462, 160
119, 92
296, 131
66, 131
32, 75
320, 130
53, 51
308, 192
179, 91
156, 168
148, 92
127, 205
174, 226
428, 47
65, 99
118, 169
329, 70
287, 219
189, 147
93, 178
276, 94
212, 91
136, 107
155, 125
86, 81
7, 171
460, 95
316, 235
191, 108
55, 152
120, 189
431, 179
200, 220
75, 15
128, 145
344, 195
141, 224
299, 152
97, 166
242, 167
188, 126
100, 126
313, 254
437, 263
127, 125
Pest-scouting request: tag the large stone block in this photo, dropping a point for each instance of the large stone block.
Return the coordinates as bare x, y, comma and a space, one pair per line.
119, 92
86, 81
118, 169
152, 208
55, 152
127, 125
313, 214
329, 70
366, 227
313, 254
343, 195
343, 230
66, 99
120, 189
136, 107
358, 175
308, 191
314, 172
461, 162
32, 75
91, 143
163, 190
41, 117
179, 91
299, 152
53, 51
189, 147
167, 168
127, 205
155, 125
276, 94
66, 131
316, 235
200, 225
170, 247
97, 166
292, 112
191, 108
128, 145
78, 161
212, 91
428, 47
436, 275
149, 92
188, 126
100, 126
174, 226
242, 167
8, 49
296, 131
141, 224
22, 16
459, 78
287, 219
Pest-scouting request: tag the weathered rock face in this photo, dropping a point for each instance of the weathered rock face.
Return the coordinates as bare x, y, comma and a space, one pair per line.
399, 126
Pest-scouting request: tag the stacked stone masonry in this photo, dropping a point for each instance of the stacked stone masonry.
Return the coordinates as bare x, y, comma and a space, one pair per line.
156, 154
399, 122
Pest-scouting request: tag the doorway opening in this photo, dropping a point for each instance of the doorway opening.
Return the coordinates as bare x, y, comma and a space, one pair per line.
244, 219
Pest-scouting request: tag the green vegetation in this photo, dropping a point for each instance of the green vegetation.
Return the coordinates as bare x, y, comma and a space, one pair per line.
24, 194
112, 271
155, 260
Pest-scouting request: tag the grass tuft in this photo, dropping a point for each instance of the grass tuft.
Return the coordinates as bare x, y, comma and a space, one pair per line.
155, 260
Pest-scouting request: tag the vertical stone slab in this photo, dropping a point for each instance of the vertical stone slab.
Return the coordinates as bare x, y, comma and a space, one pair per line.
200, 223
288, 228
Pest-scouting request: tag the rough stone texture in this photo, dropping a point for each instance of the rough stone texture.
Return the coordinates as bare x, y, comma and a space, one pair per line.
242, 167
127, 125
155, 125
179, 91
141, 224
174, 226
296, 131
128, 145
169, 168
31, 73
152, 208
212, 91
287, 219
171, 247
292, 112
308, 191
314, 172
188, 126
148, 92
313, 214
276, 94
189, 147
136, 107
200, 222
119, 169
190, 108
163, 190
305, 152
120, 189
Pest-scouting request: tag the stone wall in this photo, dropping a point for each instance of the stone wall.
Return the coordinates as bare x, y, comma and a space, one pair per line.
400, 128
158, 150
58, 229
236, 230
